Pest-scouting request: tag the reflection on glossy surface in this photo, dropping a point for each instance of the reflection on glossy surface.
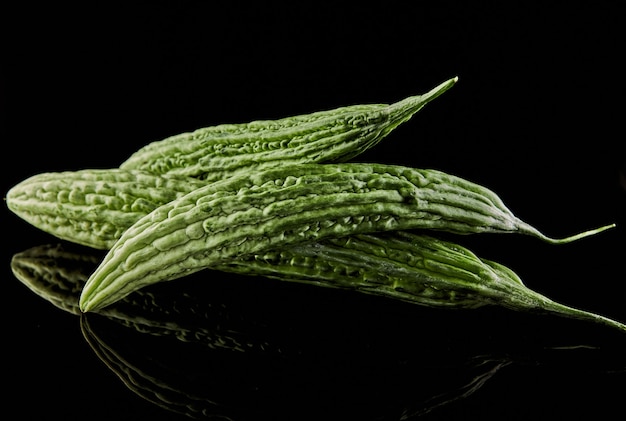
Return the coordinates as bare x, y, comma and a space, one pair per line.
159, 381
218, 346
58, 272
209, 383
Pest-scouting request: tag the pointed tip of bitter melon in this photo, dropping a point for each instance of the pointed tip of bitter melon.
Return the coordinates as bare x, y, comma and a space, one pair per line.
92, 298
439, 89
575, 313
89, 300
403, 110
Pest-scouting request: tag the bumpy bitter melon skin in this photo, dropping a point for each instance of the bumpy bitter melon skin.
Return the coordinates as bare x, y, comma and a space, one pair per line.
285, 206
337, 135
93, 207
402, 265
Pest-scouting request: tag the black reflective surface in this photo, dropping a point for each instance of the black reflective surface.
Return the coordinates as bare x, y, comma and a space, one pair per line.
529, 118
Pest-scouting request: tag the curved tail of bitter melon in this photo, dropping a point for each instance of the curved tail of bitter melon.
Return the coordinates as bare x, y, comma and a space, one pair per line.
528, 229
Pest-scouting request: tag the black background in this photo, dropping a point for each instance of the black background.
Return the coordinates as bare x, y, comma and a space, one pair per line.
537, 116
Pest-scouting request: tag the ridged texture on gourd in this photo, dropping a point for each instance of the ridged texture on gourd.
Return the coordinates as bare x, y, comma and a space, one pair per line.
401, 265
216, 152
93, 207
285, 206
406, 266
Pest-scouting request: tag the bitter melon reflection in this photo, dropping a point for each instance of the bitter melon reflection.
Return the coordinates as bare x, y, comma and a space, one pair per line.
156, 372
58, 272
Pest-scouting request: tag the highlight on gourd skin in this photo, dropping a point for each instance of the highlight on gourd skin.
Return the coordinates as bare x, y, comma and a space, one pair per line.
150, 212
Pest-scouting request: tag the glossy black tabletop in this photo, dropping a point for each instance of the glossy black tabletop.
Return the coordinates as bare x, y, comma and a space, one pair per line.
535, 116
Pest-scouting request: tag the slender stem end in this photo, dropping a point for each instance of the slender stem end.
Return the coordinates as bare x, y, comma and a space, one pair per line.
574, 313
526, 299
530, 230
580, 235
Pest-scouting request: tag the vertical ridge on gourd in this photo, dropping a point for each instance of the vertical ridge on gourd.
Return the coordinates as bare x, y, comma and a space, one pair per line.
336, 135
285, 206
